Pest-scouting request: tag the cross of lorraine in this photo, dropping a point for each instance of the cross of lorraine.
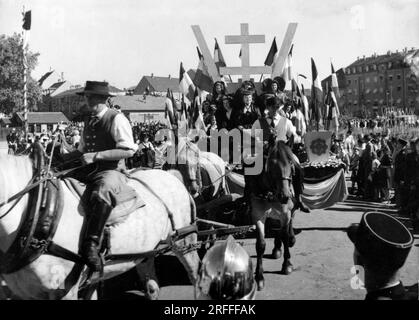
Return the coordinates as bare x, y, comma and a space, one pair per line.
245, 39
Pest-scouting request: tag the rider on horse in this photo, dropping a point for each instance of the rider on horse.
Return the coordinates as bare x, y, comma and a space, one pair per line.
276, 127
107, 141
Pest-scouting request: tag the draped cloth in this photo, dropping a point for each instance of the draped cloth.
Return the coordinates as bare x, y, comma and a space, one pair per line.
319, 195
326, 193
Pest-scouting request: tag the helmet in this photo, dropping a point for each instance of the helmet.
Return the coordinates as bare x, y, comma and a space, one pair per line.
226, 274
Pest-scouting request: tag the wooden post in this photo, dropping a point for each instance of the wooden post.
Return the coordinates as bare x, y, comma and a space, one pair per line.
278, 64
208, 59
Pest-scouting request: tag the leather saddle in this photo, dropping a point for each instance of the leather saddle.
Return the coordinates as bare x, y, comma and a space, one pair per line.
126, 204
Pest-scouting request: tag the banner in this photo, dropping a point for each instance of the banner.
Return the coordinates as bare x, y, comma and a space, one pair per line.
326, 193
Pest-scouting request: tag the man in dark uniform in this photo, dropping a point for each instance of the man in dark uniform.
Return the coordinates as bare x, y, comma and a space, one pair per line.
12, 140
412, 181
400, 173
382, 244
107, 141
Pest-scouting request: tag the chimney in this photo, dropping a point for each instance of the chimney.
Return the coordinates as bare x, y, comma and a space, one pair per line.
152, 75
62, 76
357, 59
364, 57
170, 76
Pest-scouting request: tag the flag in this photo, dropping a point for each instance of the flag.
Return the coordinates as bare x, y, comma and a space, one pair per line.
287, 72
202, 78
304, 102
332, 111
44, 77
335, 85
169, 110
27, 17
184, 110
218, 57
197, 119
175, 109
316, 95
186, 85
271, 57
240, 54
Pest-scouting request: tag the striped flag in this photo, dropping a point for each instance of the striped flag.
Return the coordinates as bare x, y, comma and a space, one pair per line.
305, 105
186, 85
218, 57
202, 78
316, 95
197, 119
169, 111
335, 85
332, 111
271, 57
287, 72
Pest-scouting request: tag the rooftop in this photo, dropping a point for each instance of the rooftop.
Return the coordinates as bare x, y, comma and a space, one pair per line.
43, 117
138, 103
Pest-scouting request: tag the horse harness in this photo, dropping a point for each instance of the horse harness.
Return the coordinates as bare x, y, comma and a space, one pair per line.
42, 217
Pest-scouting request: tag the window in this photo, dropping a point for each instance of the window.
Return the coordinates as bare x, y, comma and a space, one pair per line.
354, 70
366, 68
367, 79
375, 79
348, 71
399, 77
355, 91
399, 88
390, 78
375, 90
374, 67
356, 81
349, 91
349, 82
359, 69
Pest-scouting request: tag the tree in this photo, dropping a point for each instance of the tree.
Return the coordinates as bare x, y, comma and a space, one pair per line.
11, 75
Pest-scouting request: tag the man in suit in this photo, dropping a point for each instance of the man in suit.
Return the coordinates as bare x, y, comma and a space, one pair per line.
106, 142
382, 245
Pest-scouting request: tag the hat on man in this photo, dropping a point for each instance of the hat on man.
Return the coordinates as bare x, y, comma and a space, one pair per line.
383, 241
402, 141
96, 87
266, 84
246, 92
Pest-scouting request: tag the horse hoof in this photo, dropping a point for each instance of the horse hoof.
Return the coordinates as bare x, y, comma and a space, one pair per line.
261, 285
152, 290
276, 254
287, 269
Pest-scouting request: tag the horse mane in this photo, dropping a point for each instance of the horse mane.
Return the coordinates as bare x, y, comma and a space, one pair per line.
15, 172
281, 155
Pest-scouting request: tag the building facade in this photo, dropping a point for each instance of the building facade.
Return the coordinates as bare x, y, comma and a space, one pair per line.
379, 83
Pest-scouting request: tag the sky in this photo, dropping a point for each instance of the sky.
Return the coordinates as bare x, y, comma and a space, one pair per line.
122, 40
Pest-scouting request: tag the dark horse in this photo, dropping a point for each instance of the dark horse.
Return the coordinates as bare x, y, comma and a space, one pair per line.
272, 196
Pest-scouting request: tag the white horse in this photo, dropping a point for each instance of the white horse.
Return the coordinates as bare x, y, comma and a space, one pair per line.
48, 277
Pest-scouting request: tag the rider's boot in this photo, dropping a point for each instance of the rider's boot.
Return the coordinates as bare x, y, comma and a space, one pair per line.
95, 225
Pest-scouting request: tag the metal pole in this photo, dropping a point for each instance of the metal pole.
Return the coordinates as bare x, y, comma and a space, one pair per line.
25, 93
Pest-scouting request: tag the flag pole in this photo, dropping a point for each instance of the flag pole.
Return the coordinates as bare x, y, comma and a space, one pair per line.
25, 91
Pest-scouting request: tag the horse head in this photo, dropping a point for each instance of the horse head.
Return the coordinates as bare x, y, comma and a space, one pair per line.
187, 162
279, 171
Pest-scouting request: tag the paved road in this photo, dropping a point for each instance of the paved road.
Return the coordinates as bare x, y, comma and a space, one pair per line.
322, 259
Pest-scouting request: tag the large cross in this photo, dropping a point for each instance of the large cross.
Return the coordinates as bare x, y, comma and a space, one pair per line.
245, 39
245, 70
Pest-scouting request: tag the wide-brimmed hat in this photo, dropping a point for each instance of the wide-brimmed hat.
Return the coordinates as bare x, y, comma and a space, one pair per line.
382, 241
96, 87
